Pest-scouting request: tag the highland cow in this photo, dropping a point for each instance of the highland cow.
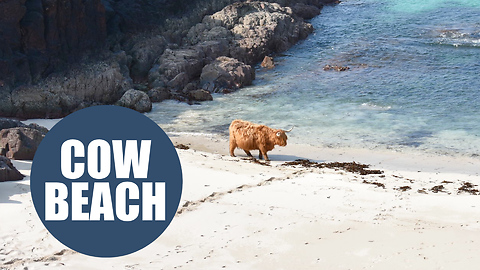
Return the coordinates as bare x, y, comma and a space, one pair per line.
249, 136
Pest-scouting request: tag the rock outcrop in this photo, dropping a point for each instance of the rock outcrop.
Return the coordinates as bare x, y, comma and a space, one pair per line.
60, 56
7, 171
20, 143
259, 28
63, 93
225, 75
6, 123
244, 32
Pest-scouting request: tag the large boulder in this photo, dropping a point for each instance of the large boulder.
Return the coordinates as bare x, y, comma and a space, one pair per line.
225, 75
305, 11
259, 28
7, 171
158, 94
135, 100
20, 143
187, 61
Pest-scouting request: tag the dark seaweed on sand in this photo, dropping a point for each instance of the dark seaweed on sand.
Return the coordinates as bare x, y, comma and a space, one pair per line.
182, 146
439, 188
468, 187
352, 167
403, 188
374, 183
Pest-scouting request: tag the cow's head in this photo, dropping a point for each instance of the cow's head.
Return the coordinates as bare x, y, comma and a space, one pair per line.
281, 136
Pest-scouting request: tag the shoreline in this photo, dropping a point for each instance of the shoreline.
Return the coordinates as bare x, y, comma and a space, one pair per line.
418, 161
379, 158
238, 214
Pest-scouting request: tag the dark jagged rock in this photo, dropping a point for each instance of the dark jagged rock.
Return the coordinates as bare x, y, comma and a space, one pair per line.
6, 123
39, 34
10, 123
8, 172
144, 53
158, 94
200, 95
173, 62
63, 93
20, 143
259, 28
226, 75
246, 31
305, 11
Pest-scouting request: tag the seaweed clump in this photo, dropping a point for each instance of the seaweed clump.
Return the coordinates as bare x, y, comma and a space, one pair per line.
182, 146
352, 167
403, 188
374, 183
468, 187
439, 188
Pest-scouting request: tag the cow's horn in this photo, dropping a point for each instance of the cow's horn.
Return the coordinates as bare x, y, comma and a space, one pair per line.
289, 129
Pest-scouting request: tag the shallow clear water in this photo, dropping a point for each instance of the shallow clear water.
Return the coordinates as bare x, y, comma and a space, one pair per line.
413, 82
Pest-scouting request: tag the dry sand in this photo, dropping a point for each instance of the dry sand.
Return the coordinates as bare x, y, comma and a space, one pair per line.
238, 214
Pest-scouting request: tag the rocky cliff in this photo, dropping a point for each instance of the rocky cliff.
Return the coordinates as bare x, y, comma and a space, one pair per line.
60, 56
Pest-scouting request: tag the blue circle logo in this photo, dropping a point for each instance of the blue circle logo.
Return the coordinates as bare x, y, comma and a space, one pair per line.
106, 181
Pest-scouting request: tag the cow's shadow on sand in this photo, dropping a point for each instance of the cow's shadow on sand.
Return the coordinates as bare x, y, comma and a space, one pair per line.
281, 158
284, 157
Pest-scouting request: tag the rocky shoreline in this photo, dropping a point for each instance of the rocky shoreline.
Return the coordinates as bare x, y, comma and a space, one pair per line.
105, 52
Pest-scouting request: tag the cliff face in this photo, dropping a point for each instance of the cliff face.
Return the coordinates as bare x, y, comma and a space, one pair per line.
38, 35
57, 56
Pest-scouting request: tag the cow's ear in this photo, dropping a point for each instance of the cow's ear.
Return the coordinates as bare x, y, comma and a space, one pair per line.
278, 134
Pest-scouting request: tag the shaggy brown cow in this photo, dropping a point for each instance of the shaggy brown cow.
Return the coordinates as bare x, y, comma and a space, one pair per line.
249, 136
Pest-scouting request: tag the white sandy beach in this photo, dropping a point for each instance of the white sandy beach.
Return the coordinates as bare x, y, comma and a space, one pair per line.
237, 214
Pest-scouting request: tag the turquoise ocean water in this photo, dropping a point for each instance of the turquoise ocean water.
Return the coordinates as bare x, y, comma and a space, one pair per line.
413, 83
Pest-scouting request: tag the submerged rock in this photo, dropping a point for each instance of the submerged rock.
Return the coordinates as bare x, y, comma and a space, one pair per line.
267, 62
8, 172
335, 68
200, 95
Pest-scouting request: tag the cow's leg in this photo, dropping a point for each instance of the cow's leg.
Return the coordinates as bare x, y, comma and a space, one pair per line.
233, 145
264, 153
260, 156
248, 153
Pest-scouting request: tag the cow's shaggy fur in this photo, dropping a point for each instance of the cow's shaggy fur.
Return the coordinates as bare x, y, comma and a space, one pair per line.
249, 136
